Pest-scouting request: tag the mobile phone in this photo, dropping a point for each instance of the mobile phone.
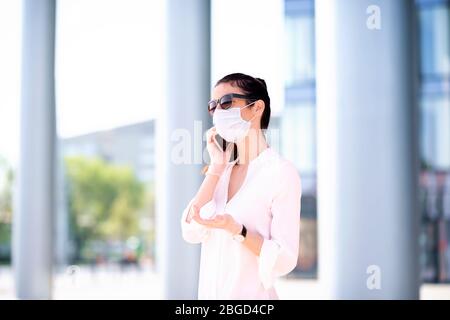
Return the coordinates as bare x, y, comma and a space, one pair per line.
220, 142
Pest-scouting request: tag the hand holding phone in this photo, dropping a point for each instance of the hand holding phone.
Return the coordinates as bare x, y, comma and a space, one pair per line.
219, 150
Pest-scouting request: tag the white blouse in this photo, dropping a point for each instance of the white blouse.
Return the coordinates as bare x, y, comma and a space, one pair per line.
268, 202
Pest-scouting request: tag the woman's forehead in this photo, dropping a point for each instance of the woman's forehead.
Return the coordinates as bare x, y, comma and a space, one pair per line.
223, 89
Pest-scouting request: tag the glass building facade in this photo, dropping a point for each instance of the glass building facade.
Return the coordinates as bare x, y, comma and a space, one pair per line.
299, 120
434, 40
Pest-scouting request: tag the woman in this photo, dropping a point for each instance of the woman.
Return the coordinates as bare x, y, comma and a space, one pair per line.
246, 213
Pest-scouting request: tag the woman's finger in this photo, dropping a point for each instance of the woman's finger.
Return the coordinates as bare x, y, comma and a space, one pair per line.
196, 216
210, 134
191, 213
200, 220
216, 222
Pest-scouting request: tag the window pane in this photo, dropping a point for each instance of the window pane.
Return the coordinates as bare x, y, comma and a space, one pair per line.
435, 40
298, 131
435, 133
300, 64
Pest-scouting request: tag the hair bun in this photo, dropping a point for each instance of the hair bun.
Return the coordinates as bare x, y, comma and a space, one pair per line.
263, 82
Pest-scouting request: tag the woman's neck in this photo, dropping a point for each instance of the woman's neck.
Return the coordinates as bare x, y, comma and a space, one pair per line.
251, 146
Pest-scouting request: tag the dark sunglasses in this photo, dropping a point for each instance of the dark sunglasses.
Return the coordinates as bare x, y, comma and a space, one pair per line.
226, 101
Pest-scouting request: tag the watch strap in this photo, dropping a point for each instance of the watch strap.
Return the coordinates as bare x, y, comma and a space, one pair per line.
244, 231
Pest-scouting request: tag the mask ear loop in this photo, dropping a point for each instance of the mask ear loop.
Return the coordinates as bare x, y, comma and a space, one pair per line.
246, 107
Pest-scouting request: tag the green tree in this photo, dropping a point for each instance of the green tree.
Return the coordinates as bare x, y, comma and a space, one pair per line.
104, 200
6, 183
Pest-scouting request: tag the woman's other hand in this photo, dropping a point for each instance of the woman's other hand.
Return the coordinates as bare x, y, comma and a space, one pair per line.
220, 221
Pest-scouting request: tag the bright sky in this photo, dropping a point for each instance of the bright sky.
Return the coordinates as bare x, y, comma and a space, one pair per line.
109, 66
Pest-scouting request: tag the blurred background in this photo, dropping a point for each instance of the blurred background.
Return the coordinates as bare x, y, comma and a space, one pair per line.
92, 91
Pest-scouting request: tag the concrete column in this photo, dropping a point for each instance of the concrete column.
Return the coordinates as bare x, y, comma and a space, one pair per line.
32, 225
182, 119
367, 157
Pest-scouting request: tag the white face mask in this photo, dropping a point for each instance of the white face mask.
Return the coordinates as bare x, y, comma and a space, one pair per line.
230, 125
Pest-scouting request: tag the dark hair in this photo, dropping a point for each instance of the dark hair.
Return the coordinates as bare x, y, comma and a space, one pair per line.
255, 87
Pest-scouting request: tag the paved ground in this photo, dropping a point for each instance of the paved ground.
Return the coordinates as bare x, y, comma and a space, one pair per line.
111, 283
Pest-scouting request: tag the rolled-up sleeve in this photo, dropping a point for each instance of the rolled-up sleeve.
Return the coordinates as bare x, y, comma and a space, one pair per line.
192, 231
279, 253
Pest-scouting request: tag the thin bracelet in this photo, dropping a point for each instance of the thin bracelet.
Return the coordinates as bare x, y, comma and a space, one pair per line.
213, 172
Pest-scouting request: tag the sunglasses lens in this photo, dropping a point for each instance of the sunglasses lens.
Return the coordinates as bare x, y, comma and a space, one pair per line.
212, 106
226, 102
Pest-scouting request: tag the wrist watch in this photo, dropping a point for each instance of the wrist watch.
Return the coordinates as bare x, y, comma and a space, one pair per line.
240, 237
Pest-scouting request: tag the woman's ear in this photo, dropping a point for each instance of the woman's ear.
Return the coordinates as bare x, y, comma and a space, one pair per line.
259, 106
